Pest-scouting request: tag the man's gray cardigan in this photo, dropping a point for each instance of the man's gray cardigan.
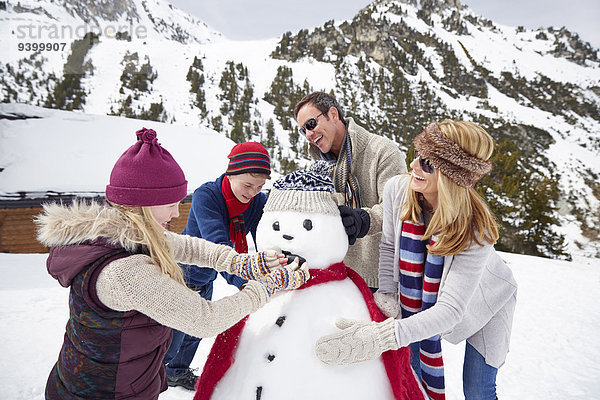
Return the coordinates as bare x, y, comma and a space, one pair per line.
375, 159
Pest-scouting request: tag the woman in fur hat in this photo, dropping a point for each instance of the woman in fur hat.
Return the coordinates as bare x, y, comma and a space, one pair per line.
126, 288
439, 274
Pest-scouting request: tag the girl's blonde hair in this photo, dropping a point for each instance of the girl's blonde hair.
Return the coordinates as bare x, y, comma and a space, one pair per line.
150, 234
462, 215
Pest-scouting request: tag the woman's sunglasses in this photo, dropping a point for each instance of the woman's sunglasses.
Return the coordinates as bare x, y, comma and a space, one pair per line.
310, 124
425, 164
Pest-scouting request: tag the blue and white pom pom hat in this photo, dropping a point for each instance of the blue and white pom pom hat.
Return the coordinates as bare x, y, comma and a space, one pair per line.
305, 190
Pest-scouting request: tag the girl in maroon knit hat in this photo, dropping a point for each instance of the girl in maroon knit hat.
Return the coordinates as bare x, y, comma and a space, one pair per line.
439, 274
127, 290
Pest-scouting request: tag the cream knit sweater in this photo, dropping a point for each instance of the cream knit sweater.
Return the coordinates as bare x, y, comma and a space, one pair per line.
135, 283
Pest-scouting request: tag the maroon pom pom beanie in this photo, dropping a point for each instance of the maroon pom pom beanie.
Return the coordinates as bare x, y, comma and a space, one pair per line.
249, 157
146, 175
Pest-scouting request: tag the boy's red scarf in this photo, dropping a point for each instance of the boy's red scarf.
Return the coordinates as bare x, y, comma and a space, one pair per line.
235, 208
397, 362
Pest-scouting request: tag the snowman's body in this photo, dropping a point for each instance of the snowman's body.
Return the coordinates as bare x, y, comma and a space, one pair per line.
275, 358
278, 362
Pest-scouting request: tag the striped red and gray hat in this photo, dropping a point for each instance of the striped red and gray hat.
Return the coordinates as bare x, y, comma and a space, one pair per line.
249, 157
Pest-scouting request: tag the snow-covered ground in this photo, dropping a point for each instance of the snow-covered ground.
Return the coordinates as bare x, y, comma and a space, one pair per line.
554, 350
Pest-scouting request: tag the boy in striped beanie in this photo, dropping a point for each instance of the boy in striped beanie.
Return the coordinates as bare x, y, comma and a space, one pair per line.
223, 211
249, 157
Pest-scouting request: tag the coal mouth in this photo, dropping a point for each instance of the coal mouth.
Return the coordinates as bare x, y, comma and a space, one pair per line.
291, 257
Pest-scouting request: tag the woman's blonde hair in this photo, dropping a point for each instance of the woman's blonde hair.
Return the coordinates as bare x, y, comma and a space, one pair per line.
150, 234
462, 215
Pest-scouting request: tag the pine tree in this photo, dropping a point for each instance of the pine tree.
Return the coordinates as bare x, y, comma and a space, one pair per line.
538, 213
270, 141
284, 93
237, 133
288, 166
237, 97
502, 188
229, 88
196, 78
217, 123
68, 93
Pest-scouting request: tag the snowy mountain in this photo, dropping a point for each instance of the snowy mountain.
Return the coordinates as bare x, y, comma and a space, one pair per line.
395, 66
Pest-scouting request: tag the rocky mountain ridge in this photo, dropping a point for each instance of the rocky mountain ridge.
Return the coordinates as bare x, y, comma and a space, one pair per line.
395, 66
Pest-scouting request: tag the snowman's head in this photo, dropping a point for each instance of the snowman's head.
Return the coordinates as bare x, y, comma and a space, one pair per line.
300, 218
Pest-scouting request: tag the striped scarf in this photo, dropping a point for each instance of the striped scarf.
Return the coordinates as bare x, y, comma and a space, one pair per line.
420, 275
344, 181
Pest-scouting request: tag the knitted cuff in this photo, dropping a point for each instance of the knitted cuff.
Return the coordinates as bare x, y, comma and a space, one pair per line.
250, 266
226, 262
386, 335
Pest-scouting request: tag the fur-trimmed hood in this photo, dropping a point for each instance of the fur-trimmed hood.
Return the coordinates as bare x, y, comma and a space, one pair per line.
65, 225
79, 234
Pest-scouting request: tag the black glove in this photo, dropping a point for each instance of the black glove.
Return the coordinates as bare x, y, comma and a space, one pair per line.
356, 222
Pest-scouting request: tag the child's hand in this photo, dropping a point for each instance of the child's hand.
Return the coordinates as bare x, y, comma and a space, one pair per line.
287, 277
256, 266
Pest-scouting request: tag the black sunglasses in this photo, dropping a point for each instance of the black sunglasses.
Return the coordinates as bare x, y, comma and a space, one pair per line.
425, 164
310, 124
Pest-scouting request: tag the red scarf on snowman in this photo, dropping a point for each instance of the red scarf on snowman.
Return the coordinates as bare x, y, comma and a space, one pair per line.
397, 363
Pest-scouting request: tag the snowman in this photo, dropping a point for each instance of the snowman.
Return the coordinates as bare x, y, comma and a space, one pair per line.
270, 355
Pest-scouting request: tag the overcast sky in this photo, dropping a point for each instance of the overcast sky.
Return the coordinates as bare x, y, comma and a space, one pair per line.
262, 19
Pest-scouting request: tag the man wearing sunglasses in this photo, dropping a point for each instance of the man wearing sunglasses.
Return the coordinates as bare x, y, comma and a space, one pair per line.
363, 163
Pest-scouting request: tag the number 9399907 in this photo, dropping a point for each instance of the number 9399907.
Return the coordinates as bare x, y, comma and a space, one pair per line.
41, 46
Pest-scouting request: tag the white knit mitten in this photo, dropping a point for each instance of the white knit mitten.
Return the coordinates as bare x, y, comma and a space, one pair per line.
388, 304
358, 341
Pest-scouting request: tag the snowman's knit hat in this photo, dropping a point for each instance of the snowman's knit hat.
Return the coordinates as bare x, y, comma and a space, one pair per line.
306, 191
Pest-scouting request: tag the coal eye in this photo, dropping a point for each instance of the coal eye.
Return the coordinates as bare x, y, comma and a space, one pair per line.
276, 225
307, 224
